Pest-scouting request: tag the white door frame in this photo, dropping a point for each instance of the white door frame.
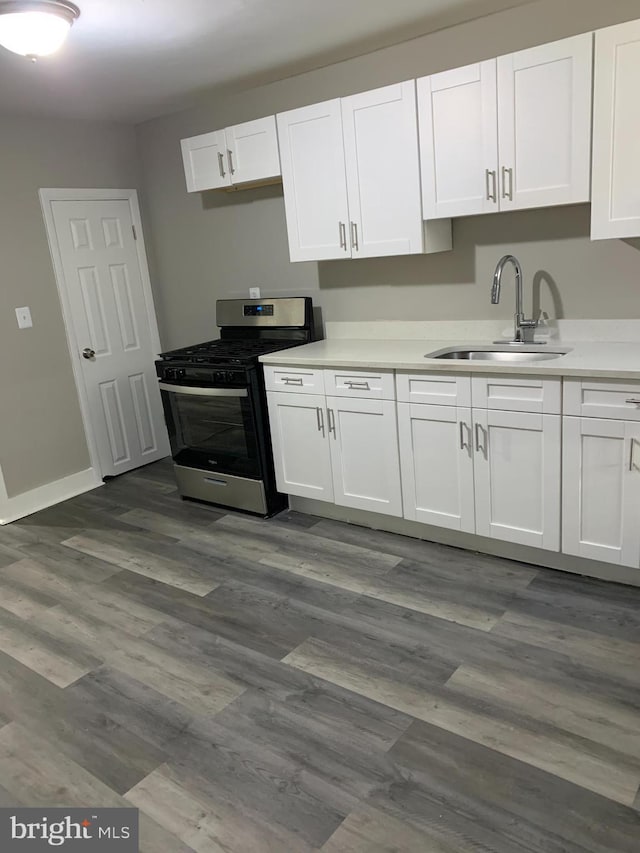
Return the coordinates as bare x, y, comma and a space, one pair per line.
47, 197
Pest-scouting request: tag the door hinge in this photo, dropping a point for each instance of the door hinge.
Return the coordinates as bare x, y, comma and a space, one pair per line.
135, 235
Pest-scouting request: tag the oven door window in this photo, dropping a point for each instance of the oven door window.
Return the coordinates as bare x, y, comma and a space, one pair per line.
213, 432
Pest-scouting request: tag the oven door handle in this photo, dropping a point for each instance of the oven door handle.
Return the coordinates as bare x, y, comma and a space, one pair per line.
203, 392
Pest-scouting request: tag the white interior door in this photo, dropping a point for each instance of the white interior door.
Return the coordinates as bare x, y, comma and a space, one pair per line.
205, 161
363, 437
458, 117
252, 150
436, 453
615, 208
544, 121
113, 330
517, 477
314, 183
383, 171
601, 490
301, 456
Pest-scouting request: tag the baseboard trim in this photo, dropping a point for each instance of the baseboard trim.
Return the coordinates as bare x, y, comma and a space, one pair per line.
45, 496
470, 542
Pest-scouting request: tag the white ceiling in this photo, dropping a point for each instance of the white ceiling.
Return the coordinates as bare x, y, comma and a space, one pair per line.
130, 60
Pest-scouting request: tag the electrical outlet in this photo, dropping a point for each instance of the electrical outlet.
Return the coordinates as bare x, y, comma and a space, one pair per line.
23, 315
254, 293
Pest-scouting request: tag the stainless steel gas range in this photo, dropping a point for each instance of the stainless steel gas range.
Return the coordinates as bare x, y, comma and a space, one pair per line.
215, 406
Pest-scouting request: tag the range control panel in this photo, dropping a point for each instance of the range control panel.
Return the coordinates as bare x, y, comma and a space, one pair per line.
261, 310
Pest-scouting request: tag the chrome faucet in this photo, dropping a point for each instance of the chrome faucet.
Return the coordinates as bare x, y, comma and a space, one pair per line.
523, 329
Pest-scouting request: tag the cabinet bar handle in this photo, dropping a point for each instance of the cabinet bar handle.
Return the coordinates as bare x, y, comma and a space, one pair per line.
229, 158
462, 427
491, 177
631, 449
342, 230
350, 383
332, 422
296, 380
221, 164
507, 193
479, 447
320, 417
354, 236
633, 400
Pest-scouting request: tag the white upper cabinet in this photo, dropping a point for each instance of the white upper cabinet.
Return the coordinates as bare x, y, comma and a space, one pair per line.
615, 209
544, 124
459, 141
380, 131
245, 153
314, 181
508, 133
205, 161
351, 177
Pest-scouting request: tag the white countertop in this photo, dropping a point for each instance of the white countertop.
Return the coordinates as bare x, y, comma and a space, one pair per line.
604, 359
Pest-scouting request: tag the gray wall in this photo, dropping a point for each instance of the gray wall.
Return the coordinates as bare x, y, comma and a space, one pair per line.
41, 433
211, 245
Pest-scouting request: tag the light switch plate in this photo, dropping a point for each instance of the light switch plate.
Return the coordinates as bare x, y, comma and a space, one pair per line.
254, 293
23, 315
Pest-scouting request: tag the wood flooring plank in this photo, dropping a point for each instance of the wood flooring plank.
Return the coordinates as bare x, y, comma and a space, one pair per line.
368, 830
206, 824
168, 571
579, 762
61, 661
22, 600
512, 805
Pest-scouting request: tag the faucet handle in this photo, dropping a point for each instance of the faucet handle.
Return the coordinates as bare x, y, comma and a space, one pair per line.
528, 324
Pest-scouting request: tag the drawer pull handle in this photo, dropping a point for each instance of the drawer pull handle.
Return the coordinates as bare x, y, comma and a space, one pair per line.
633, 400
364, 386
296, 380
215, 482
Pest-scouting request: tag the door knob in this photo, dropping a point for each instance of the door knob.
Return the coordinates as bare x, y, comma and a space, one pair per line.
87, 352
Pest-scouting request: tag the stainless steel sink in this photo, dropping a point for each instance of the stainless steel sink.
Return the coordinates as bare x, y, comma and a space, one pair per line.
506, 354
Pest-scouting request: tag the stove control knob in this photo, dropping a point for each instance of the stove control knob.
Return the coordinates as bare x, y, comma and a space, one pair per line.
169, 373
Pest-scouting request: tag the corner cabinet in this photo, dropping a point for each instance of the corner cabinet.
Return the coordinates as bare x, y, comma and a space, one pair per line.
615, 208
244, 153
508, 133
351, 177
340, 447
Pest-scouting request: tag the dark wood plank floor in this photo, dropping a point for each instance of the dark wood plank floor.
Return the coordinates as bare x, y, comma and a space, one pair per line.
299, 684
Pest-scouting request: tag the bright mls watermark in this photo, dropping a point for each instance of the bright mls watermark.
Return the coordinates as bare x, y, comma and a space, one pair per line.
35, 830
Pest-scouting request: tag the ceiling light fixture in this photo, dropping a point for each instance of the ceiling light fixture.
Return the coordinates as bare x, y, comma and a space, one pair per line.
36, 28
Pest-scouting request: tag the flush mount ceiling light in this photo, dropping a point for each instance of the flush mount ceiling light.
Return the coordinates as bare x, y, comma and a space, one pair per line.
36, 28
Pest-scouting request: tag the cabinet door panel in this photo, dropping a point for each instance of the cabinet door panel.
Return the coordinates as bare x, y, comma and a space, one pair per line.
313, 177
517, 477
436, 454
615, 211
457, 113
253, 149
544, 121
300, 447
383, 173
601, 490
363, 438
205, 161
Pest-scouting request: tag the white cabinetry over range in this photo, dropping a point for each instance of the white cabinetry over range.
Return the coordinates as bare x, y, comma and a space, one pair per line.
508, 133
351, 177
244, 153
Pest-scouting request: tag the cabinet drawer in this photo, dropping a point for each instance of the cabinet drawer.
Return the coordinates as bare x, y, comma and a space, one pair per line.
300, 379
378, 384
517, 394
437, 389
594, 398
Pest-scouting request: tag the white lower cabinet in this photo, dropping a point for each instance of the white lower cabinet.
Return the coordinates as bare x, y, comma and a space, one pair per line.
336, 449
601, 490
300, 448
436, 460
517, 477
